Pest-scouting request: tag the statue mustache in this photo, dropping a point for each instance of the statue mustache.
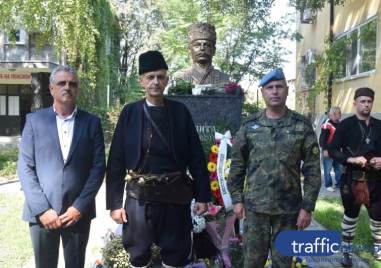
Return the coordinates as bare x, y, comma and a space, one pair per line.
202, 54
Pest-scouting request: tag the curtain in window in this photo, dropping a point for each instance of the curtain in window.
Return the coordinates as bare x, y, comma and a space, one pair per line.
13, 105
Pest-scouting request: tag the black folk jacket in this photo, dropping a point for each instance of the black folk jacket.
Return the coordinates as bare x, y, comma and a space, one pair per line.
125, 151
348, 138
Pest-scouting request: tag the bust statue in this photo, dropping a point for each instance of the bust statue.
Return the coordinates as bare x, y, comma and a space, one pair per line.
202, 47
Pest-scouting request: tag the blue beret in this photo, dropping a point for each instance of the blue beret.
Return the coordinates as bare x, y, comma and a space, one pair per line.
274, 75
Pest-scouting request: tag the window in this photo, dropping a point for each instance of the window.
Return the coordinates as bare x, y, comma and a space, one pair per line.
25, 89
361, 57
3, 105
3, 89
17, 36
308, 72
368, 47
13, 105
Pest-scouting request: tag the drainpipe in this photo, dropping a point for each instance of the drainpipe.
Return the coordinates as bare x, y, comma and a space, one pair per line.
331, 39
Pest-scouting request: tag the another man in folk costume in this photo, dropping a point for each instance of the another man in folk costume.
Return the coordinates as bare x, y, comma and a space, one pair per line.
356, 145
269, 148
155, 140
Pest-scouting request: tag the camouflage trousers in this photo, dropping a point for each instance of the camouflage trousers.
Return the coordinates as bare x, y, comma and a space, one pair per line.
258, 238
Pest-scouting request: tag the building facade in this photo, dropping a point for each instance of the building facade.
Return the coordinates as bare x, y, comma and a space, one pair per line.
24, 79
361, 66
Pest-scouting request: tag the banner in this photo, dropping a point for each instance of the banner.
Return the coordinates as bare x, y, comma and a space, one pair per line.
225, 140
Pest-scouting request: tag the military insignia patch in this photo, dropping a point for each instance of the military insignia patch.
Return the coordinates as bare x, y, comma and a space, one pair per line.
315, 150
255, 127
280, 74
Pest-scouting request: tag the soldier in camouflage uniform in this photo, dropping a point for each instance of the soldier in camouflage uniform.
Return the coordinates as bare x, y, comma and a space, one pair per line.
269, 148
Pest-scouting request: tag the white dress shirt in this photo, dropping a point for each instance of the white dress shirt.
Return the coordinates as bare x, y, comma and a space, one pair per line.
65, 127
149, 104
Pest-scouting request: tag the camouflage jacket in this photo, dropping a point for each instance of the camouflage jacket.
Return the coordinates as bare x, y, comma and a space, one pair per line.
270, 155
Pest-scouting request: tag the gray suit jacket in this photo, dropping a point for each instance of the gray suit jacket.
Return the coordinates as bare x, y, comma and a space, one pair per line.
49, 183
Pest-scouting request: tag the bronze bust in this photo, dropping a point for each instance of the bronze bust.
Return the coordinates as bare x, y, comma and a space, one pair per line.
202, 47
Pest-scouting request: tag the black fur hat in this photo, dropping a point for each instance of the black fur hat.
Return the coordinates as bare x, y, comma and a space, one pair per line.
151, 61
364, 91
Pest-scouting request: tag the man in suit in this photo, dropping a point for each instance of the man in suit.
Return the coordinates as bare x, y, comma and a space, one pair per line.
61, 168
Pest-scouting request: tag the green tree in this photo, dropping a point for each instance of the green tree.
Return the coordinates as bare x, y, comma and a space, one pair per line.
248, 44
314, 5
78, 30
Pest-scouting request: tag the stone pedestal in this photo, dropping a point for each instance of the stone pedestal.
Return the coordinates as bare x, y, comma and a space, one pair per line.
205, 109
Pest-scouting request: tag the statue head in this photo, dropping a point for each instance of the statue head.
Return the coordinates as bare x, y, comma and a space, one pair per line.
202, 42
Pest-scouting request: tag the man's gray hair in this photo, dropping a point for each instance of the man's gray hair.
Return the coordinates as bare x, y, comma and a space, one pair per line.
333, 110
65, 68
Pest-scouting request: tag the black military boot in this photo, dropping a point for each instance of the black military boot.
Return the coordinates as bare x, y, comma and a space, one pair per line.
346, 261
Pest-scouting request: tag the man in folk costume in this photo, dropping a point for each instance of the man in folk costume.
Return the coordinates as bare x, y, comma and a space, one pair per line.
155, 140
357, 146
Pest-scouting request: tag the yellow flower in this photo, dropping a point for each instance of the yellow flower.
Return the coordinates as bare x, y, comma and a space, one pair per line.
212, 167
226, 175
214, 185
228, 162
215, 149
95, 251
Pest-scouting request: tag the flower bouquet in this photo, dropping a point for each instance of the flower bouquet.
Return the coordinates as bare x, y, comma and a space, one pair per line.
219, 221
113, 255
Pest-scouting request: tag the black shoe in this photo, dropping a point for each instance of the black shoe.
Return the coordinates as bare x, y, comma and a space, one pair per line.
346, 261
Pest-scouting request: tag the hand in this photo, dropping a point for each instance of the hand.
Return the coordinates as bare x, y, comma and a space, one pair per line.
70, 217
118, 215
325, 152
50, 220
200, 208
239, 210
353, 160
304, 219
377, 166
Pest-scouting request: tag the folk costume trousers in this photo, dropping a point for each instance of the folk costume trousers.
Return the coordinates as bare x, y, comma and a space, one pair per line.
168, 227
348, 198
258, 238
351, 212
46, 244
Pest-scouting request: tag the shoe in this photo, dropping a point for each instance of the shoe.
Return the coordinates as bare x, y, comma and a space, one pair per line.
346, 261
330, 189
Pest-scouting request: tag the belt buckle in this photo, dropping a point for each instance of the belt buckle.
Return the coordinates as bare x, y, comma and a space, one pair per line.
363, 177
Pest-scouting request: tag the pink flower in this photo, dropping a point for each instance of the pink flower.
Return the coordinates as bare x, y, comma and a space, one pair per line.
229, 89
218, 142
231, 85
213, 175
213, 210
232, 141
238, 86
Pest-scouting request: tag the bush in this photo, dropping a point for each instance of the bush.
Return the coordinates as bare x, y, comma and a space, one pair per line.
109, 119
8, 163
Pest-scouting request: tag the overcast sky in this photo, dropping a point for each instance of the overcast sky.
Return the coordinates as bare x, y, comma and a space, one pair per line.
280, 9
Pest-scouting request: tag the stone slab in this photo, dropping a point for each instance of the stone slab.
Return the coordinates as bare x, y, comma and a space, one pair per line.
205, 109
